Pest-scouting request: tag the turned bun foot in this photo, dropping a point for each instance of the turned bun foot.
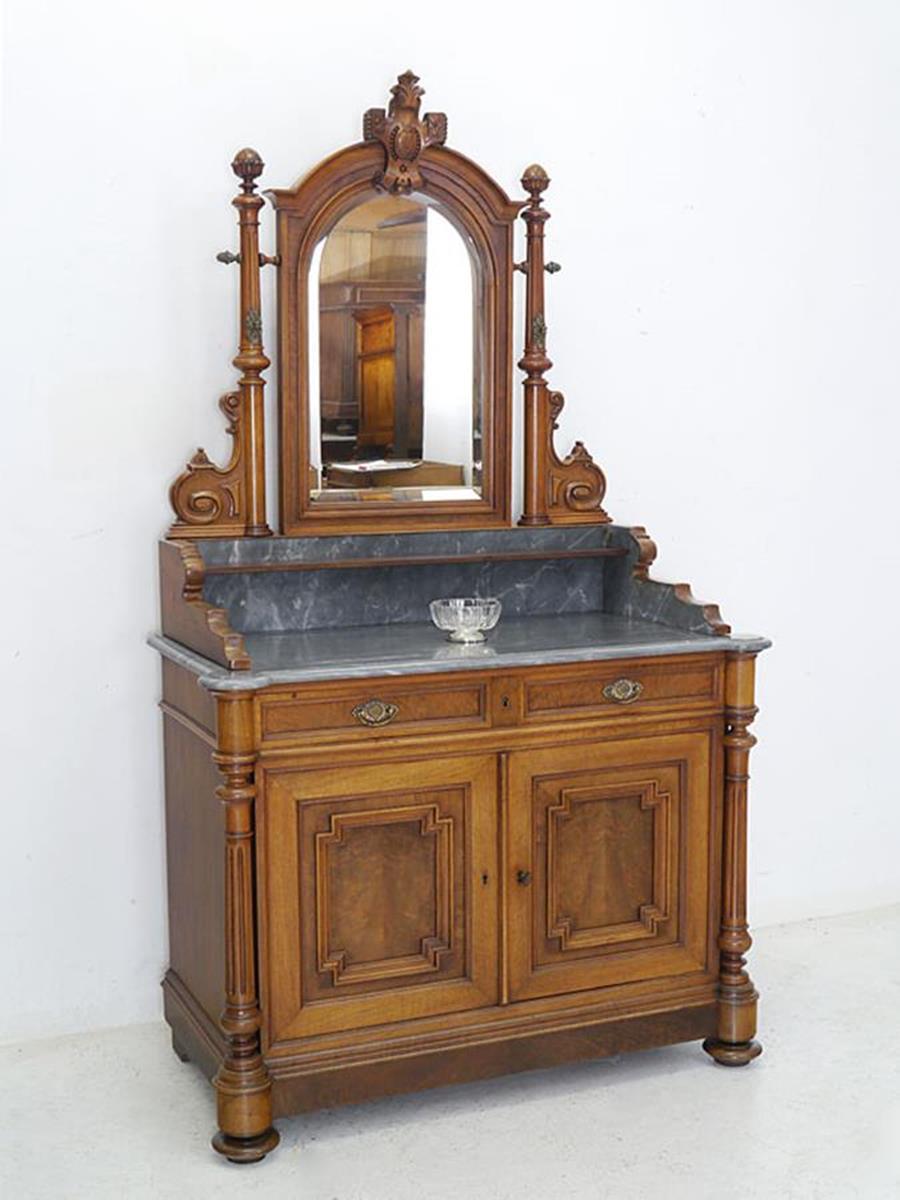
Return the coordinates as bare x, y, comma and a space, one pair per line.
246, 1150
732, 1054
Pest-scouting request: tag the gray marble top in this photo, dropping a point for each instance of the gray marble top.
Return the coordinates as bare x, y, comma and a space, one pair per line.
363, 651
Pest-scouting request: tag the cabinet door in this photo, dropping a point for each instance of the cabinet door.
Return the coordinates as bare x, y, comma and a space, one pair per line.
381, 893
609, 863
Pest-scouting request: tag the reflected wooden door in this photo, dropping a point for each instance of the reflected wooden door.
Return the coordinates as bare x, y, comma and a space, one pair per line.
609, 858
377, 375
381, 893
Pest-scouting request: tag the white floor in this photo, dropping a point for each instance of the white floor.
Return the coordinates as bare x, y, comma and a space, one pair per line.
115, 1114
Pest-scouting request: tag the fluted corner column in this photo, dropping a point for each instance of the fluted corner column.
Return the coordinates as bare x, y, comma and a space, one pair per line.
734, 1044
242, 1083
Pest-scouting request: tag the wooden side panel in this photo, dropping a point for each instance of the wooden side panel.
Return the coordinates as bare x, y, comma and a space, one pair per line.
183, 695
195, 854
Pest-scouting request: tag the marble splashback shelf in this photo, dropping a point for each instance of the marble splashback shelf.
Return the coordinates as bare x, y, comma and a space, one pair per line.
285, 585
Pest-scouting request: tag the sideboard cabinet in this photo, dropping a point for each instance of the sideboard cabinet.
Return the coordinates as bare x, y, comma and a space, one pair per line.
396, 862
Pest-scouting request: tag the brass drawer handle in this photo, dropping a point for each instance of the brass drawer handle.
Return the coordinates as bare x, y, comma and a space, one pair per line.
375, 712
623, 691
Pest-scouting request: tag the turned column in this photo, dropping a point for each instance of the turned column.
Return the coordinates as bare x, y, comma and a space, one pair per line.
242, 1083
251, 361
734, 1044
534, 362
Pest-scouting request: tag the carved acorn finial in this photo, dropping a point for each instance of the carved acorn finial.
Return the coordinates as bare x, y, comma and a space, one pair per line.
535, 180
405, 94
248, 166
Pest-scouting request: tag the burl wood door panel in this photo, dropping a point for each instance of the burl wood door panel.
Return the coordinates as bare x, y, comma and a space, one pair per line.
609, 858
381, 893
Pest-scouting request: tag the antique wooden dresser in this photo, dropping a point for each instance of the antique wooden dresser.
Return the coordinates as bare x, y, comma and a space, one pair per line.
397, 861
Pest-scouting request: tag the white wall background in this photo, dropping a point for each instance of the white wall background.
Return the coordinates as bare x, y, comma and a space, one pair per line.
726, 190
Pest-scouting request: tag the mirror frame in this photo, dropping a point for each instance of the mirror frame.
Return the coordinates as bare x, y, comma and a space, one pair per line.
401, 153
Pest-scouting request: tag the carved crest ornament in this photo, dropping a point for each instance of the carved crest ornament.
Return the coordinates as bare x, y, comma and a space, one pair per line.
403, 134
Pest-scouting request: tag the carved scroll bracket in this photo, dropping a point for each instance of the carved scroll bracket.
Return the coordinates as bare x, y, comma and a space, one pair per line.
230, 501
558, 491
403, 134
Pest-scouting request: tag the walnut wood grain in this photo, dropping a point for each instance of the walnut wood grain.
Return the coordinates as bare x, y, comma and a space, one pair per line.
397, 901
613, 839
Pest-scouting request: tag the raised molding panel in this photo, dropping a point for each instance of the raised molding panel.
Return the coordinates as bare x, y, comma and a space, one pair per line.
435, 859
649, 914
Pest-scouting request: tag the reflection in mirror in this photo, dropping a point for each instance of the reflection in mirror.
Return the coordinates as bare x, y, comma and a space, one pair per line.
395, 392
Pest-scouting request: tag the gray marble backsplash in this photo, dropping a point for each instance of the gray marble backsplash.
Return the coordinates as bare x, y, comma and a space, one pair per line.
285, 601
279, 601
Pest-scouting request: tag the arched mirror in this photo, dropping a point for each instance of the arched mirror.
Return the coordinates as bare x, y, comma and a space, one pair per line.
395, 339
395, 371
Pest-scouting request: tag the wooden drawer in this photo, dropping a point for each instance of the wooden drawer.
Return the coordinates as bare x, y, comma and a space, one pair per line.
634, 684
373, 708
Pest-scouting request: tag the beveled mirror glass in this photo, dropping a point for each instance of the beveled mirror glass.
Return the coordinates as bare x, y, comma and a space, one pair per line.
395, 384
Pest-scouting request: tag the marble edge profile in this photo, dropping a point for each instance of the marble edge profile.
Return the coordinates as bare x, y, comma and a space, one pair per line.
218, 679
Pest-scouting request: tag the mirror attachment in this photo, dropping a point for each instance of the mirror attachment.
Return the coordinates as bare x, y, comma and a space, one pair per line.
395, 349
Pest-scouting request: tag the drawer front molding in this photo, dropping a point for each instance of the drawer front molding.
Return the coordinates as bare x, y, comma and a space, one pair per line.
602, 690
348, 713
